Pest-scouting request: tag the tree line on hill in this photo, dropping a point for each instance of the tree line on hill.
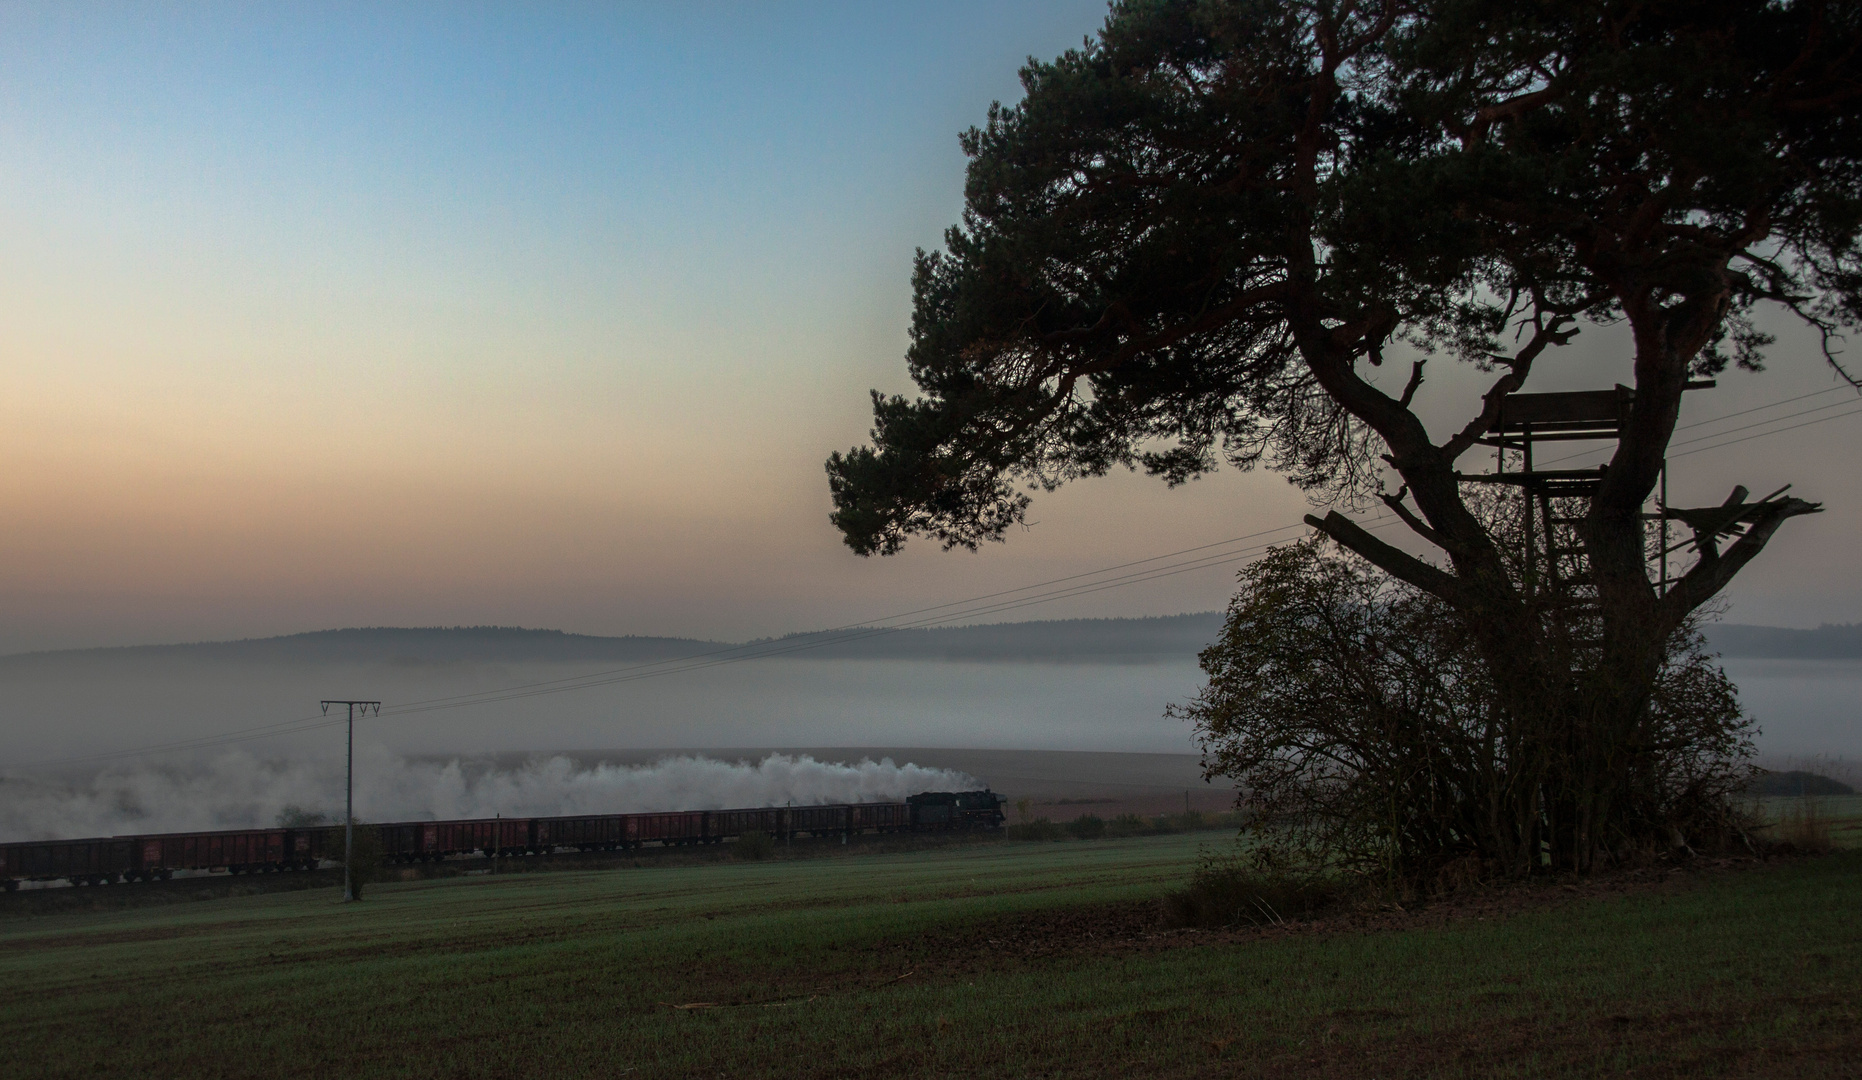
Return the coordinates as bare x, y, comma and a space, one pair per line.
1113, 640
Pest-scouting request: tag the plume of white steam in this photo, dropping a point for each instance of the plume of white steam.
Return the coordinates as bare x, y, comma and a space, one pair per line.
236, 790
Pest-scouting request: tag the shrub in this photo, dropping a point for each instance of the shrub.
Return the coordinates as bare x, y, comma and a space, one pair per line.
1796, 783
1803, 826
1127, 825
1364, 721
294, 816
1087, 827
1227, 890
755, 845
1038, 829
1188, 821
369, 855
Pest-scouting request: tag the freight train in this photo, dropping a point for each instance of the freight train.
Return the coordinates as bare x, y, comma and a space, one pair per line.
105, 860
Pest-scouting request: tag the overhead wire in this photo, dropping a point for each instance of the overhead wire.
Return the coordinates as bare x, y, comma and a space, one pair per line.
1762, 408
749, 651
779, 649
757, 645
1763, 423
1763, 434
1729, 431
970, 608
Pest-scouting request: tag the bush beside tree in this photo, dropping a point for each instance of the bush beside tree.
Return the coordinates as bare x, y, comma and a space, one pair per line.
1357, 715
368, 853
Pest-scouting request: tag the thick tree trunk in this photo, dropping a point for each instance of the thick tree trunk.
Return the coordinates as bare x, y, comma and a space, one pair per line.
1580, 704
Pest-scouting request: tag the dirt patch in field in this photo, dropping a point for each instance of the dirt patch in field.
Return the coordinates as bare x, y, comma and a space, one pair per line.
115, 937
220, 886
1674, 1044
1138, 925
123, 897
1016, 941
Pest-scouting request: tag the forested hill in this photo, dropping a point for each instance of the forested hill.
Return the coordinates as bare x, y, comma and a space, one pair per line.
1101, 641
1174, 637
1827, 642
405, 645
1168, 637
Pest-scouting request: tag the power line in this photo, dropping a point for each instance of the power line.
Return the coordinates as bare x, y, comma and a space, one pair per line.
784, 646
1763, 434
758, 645
1762, 408
967, 609
521, 693
1763, 423
797, 643
755, 650
1729, 431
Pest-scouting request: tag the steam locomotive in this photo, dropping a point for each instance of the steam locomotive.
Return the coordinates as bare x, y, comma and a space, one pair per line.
105, 860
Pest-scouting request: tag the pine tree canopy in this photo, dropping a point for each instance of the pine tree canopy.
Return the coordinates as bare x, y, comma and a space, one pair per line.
1195, 234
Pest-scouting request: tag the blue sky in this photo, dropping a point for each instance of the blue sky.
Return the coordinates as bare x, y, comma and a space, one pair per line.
324, 315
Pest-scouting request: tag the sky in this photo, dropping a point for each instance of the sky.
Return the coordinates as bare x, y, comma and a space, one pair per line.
325, 315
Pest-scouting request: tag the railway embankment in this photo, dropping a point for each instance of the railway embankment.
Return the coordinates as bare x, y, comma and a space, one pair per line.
61, 898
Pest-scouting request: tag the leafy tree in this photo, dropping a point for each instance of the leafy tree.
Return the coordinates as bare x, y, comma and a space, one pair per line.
1195, 234
368, 850
1366, 732
754, 845
294, 816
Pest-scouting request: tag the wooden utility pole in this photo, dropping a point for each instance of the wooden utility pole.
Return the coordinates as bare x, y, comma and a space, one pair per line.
349, 793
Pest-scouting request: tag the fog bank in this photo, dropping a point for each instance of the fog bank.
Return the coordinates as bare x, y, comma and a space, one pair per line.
235, 790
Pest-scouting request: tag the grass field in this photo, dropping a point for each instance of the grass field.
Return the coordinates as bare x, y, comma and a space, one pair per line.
1833, 820
998, 960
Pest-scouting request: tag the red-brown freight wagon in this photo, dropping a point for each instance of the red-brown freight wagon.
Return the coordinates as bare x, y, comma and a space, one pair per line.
409, 841
820, 820
880, 817
405, 841
103, 859
723, 823
92, 862
602, 832
684, 827
245, 851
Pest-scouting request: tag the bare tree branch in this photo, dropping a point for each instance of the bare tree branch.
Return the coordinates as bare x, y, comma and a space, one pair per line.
1393, 561
1713, 572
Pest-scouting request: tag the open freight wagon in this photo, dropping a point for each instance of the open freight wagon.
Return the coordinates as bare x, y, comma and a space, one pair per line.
104, 860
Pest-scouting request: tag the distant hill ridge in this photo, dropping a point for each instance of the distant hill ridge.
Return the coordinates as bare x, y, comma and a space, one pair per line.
424, 644
1141, 640
1078, 640
1155, 638
1831, 641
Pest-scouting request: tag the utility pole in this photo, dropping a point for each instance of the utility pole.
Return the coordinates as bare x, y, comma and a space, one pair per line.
349, 792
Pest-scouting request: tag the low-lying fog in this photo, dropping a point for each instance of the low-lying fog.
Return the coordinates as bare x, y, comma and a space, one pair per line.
234, 789
56, 713
436, 764
65, 706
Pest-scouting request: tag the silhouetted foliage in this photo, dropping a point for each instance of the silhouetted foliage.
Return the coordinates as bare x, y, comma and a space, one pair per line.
1361, 722
1797, 783
367, 850
754, 845
1802, 825
296, 817
1194, 237
1038, 829
1229, 889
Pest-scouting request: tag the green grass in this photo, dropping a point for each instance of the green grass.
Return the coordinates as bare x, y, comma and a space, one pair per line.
574, 974
1838, 818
